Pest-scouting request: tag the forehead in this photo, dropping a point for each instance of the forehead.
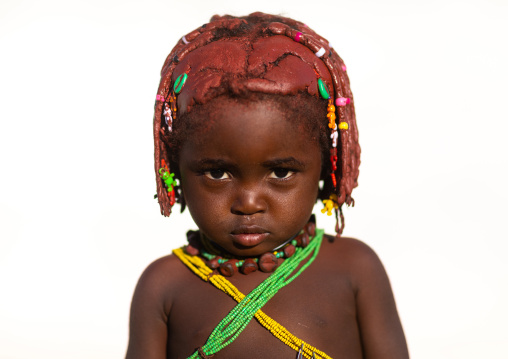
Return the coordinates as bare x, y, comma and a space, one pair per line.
225, 126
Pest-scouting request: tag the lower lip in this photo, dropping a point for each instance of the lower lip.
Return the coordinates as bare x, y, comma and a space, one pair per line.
249, 239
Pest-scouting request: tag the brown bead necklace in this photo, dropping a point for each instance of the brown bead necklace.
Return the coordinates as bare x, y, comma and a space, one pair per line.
217, 259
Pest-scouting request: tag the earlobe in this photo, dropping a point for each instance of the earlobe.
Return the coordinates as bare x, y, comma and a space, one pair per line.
181, 197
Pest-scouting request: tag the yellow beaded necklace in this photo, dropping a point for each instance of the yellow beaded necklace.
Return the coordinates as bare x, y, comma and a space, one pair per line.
196, 264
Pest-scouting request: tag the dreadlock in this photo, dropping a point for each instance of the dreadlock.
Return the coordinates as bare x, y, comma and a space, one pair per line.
253, 57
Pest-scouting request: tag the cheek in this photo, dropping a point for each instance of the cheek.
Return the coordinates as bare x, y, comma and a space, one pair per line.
301, 200
204, 206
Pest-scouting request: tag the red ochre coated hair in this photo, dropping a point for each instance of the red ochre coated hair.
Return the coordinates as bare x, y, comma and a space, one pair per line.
257, 56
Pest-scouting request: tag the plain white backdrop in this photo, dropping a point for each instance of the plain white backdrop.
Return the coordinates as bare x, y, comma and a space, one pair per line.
78, 222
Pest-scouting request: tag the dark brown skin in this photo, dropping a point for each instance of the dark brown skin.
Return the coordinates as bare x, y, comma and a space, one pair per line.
342, 304
252, 55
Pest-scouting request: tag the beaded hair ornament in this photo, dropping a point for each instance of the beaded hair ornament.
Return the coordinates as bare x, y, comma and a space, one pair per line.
266, 54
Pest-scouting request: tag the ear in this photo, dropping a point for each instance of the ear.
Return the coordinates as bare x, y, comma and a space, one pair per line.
180, 196
181, 200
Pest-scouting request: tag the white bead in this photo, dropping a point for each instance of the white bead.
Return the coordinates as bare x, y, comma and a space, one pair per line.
320, 52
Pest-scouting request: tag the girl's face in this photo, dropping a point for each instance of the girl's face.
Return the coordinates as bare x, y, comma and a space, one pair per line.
250, 179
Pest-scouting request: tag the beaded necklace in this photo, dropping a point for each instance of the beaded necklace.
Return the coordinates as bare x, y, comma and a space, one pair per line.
249, 306
228, 266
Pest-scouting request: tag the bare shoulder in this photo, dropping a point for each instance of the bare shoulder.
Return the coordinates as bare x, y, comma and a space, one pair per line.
150, 307
160, 282
163, 273
351, 256
348, 246
378, 320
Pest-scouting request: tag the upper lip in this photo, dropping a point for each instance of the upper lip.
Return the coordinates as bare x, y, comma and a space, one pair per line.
248, 229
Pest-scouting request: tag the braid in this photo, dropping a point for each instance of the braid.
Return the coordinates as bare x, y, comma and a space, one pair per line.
248, 70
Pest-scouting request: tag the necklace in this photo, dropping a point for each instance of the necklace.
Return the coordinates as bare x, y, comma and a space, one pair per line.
249, 305
217, 259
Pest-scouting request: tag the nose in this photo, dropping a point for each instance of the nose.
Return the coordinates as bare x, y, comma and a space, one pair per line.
248, 201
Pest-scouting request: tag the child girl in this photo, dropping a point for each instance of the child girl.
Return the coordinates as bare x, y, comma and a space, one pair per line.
254, 121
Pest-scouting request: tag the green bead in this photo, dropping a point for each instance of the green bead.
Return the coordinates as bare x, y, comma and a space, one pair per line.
180, 81
294, 242
323, 90
235, 322
208, 255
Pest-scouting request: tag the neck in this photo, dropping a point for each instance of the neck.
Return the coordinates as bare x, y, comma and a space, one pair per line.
215, 249
218, 259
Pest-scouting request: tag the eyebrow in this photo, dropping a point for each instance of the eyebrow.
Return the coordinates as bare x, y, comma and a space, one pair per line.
288, 161
212, 162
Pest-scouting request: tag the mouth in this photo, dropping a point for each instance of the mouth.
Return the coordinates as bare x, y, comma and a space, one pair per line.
249, 236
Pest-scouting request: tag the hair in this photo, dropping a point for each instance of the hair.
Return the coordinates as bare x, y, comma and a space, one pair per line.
258, 57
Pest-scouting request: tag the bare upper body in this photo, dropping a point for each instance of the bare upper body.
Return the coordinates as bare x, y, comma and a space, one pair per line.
342, 304
250, 172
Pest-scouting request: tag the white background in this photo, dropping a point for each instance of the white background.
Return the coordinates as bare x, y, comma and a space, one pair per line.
78, 81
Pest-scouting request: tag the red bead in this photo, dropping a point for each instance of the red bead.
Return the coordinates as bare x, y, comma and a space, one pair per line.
298, 239
213, 263
268, 262
305, 239
333, 160
229, 268
310, 228
249, 266
289, 250
191, 250
334, 180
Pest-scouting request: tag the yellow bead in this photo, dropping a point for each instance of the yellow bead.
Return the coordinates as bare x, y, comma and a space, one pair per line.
343, 126
279, 331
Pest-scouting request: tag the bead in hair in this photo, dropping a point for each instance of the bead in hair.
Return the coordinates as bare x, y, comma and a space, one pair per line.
306, 52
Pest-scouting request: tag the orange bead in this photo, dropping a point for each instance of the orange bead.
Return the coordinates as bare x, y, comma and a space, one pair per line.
331, 108
331, 116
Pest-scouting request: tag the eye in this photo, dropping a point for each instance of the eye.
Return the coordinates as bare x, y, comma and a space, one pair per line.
216, 174
281, 173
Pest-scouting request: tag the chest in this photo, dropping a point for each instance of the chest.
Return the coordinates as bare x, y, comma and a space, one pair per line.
321, 312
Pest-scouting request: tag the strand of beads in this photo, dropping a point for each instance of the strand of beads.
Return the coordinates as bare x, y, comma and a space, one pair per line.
323, 91
234, 323
267, 262
197, 265
343, 101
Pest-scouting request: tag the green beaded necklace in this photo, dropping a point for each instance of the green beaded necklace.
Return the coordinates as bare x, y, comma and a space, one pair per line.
235, 322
